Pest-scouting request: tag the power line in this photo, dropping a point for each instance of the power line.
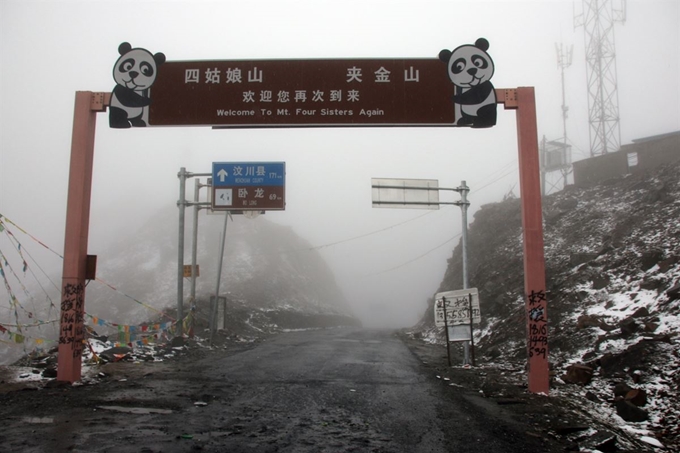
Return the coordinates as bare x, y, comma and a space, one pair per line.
330, 244
513, 170
416, 258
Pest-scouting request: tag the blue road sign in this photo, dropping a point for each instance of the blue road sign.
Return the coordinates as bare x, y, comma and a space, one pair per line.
248, 174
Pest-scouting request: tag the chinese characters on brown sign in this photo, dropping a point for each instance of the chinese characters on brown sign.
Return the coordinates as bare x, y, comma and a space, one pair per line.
266, 93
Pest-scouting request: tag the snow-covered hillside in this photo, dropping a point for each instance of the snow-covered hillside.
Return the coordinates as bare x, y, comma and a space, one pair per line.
613, 273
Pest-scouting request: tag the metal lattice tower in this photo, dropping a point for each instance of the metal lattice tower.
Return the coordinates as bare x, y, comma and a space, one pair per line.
598, 18
556, 154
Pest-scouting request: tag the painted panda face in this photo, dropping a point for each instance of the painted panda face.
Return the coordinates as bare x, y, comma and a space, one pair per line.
135, 69
469, 66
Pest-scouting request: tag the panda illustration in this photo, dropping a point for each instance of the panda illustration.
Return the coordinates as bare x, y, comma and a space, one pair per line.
134, 72
470, 68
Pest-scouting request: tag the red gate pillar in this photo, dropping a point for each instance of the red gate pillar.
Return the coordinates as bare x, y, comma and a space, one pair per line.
71, 329
524, 101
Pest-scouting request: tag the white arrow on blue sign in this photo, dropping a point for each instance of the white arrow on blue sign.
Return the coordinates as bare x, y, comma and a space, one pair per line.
240, 174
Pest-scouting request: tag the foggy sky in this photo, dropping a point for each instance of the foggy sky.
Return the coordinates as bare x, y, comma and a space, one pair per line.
50, 50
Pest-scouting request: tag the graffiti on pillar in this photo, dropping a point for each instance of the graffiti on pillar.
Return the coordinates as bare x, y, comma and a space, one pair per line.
72, 318
470, 69
538, 324
134, 72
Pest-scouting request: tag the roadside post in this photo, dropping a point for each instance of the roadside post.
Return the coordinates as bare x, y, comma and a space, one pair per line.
446, 327
472, 334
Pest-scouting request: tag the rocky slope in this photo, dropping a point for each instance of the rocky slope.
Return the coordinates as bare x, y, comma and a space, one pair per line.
270, 275
612, 257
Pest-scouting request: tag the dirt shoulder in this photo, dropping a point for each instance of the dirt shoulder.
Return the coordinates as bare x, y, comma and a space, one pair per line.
501, 389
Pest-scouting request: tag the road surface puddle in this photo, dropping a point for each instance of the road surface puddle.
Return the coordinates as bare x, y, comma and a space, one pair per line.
136, 410
38, 420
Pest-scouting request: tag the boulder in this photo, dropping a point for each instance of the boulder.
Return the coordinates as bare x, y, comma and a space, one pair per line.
604, 441
116, 354
641, 312
621, 389
630, 412
600, 281
635, 357
651, 326
665, 265
673, 292
628, 327
650, 258
576, 259
578, 374
590, 396
49, 372
585, 321
651, 283
637, 397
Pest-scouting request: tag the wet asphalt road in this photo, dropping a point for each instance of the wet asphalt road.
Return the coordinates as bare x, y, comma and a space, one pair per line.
335, 390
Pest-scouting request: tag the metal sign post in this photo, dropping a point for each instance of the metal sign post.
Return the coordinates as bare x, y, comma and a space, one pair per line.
446, 327
468, 346
71, 328
182, 203
213, 308
472, 334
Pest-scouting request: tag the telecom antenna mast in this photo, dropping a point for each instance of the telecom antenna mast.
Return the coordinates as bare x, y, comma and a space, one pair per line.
563, 62
598, 18
556, 154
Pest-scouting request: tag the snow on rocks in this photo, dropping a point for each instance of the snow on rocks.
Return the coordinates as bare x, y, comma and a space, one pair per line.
612, 256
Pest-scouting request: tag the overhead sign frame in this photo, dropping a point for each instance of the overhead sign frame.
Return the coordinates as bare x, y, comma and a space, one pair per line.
129, 107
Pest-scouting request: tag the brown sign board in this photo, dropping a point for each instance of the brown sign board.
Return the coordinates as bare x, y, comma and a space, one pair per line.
297, 93
249, 198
